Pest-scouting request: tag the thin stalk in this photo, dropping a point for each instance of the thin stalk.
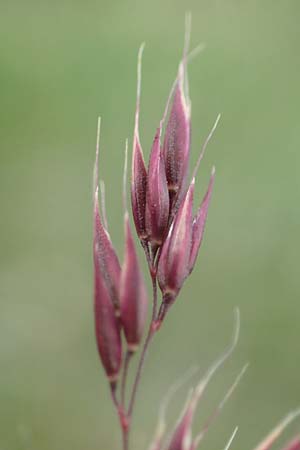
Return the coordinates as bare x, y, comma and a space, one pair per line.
151, 331
122, 416
125, 441
124, 376
149, 336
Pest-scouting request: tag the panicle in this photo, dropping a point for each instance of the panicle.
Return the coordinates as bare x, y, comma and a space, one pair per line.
107, 326
133, 294
157, 200
162, 207
139, 171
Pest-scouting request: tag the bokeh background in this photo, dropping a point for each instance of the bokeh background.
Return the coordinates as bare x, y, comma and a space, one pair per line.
63, 63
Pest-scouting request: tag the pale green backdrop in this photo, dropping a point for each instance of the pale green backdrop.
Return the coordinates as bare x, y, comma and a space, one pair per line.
62, 63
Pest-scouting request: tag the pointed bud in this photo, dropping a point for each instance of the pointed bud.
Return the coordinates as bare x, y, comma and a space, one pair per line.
294, 444
133, 295
268, 442
104, 252
174, 258
106, 323
157, 202
107, 259
139, 172
176, 148
138, 189
199, 223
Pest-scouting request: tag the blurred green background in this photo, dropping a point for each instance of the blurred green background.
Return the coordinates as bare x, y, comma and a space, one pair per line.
63, 63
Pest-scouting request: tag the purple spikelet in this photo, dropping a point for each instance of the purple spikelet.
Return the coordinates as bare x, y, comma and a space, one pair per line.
107, 327
133, 295
176, 146
157, 200
174, 259
139, 171
105, 254
107, 273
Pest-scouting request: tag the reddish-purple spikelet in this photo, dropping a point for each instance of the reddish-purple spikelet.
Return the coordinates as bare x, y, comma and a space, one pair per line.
133, 294
107, 326
103, 249
173, 262
138, 190
198, 224
176, 147
181, 247
107, 259
157, 201
139, 171
293, 445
